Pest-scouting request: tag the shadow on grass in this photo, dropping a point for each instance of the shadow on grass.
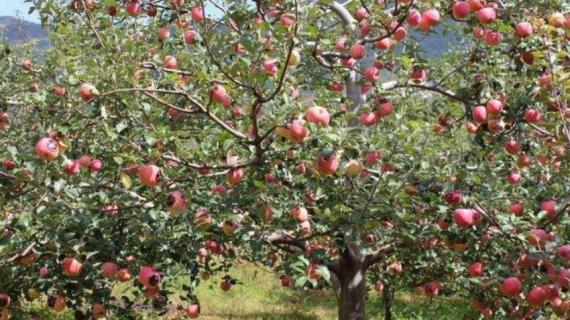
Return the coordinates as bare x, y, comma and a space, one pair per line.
262, 316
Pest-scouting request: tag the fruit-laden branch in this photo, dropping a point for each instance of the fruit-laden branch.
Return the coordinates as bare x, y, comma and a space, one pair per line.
193, 102
199, 166
391, 30
427, 86
563, 206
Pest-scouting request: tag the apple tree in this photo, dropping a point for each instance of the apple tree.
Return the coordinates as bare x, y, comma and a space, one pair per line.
409, 144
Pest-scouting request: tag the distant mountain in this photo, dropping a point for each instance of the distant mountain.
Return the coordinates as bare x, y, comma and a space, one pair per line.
17, 31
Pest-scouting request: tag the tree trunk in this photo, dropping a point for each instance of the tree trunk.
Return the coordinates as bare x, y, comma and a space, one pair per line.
352, 277
387, 299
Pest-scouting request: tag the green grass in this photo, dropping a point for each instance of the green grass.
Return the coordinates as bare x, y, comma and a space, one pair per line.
262, 297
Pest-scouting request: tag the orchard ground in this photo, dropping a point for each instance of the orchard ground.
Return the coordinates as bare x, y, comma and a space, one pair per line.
260, 296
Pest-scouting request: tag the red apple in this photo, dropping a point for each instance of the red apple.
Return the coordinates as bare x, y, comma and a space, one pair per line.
193, 311
372, 74
476, 269
464, 217
414, 18
95, 165
71, 167
149, 175
369, 118
327, 165
400, 33
523, 30
88, 91
134, 8
176, 203
170, 62
124, 275
71, 267
479, 114
318, 115
536, 297
383, 44
460, 10
219, 95
516, 208
109, 270
197, 14
163, 33
286, 281
47, 149
431, 17
532, 116
357, 51
235, 176
494, 106
493, 38
512, 147
487, 15
148, 277
511, 287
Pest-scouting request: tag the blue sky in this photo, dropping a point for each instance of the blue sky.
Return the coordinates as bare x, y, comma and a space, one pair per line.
13, 7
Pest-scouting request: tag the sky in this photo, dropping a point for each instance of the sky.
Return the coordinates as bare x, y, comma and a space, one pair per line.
17, 7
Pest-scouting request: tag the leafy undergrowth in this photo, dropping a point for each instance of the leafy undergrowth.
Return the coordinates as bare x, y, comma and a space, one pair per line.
260, 296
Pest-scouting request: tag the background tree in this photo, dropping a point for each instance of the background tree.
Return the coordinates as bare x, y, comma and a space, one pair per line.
166, 139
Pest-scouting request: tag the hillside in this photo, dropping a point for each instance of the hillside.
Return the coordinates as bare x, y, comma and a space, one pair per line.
17, 31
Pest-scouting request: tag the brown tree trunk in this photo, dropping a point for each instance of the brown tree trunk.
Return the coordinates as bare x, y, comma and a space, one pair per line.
387, 299
352, 277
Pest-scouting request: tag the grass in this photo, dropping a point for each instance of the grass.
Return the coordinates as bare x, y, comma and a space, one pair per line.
262, 297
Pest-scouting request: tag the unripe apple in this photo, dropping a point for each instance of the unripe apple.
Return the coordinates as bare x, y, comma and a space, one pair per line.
460, 10
170, 62
229, 227
87, 91
27, 64
487, 15
369, 118
163, 33
197, 14
494, 106
431, 17
557, 20
176, 203
109, 270
523, 30
47, 149
295, 58
512, 147
124, 275
476, 269
56, 302
372, 74
219, 95
71, 167
193, 311
353, 167
383, 44
357, 51
493, 38
414, 17
536, 297
71, 267
479, 114
134, 8
532, 116
149, 175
